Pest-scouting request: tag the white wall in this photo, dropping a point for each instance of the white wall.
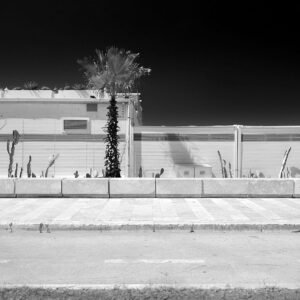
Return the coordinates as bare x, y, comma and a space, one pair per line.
73, 156
157, 147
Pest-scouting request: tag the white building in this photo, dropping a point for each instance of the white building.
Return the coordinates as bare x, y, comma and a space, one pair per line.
69, 123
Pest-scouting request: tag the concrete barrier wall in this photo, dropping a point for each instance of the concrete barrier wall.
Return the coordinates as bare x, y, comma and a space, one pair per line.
38, 187
296, 193
132, 187
149, 187
174, 188
7, 188
93, 187
248, 187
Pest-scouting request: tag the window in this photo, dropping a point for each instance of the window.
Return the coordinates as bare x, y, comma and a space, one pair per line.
75, 124
92, 107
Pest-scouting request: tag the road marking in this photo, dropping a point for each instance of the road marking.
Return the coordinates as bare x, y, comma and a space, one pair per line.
154, 261
4, 261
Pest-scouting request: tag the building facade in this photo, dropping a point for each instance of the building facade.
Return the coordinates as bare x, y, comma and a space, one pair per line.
70, 123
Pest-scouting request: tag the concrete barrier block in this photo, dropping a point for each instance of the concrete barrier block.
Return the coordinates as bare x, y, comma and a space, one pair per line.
90, 187
247, 187
179, 187
296, 193
7, 187
38, 187
132, 187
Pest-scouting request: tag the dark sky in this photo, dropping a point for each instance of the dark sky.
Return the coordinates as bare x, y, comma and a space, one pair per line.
219, 63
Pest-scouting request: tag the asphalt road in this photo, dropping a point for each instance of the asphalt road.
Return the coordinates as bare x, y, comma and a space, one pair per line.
238, 259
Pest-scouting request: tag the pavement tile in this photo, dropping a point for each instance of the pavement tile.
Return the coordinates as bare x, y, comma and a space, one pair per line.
97, 211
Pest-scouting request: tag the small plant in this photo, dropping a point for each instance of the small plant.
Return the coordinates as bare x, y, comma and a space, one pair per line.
11, 151
10, 227
221, 163
230, 170
41, 227
29, 173
224, 168
251, 174
140, 172
16, 171
160, 173
285, 158
21, 172
51, 163
288, 173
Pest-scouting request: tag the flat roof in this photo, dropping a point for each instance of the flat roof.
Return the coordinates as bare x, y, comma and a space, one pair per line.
62, 96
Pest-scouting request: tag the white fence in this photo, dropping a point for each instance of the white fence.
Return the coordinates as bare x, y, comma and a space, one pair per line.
246, 151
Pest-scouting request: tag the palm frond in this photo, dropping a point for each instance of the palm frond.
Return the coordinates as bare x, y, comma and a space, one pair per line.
31, 85
115, 70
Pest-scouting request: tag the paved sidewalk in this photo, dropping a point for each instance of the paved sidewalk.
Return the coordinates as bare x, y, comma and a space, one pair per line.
180, 211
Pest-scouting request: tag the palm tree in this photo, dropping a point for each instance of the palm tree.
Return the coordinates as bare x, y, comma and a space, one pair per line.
115, 71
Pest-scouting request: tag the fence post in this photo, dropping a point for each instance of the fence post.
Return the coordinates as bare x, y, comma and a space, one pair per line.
238, 151
129, 140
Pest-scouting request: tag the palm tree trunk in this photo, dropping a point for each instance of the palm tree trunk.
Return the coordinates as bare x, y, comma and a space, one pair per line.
112, 163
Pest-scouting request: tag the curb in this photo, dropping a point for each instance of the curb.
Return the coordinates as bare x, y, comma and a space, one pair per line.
136, 291
156, 227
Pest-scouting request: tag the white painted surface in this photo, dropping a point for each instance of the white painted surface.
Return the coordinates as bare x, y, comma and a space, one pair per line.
4, 261
154, 261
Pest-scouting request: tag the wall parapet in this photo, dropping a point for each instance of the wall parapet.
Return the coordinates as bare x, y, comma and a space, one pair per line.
150, 187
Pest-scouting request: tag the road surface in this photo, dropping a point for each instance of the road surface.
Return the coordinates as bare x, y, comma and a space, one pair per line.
236, 259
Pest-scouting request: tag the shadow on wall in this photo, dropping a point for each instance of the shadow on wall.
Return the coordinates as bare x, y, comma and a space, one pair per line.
177, 160
295, 172
178, 150
185, 164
